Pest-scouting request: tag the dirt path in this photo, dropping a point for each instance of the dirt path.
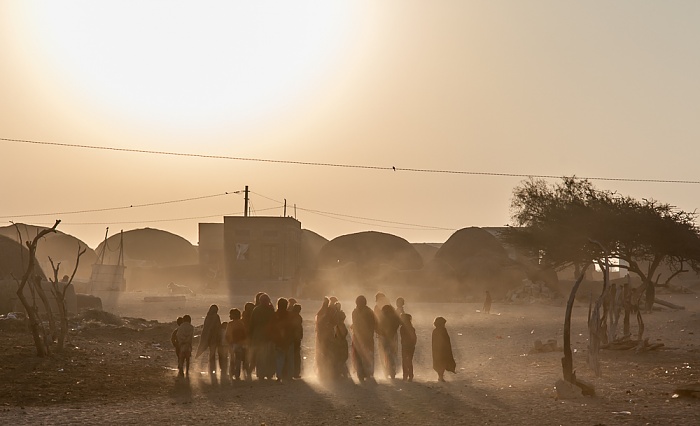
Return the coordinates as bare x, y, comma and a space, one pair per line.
497, 382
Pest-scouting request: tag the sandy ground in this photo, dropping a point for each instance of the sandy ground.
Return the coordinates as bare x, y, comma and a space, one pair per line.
125, 374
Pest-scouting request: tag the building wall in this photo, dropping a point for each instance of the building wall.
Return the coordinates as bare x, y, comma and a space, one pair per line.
211, 252
261, 252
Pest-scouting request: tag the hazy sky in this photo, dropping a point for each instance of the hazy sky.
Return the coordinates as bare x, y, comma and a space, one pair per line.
595, 88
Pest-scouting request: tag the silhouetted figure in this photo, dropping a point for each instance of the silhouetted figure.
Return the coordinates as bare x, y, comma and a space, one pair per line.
388, 327
339, 343
185, 334
298, 335
443, 360
282, 337
400, 303
408, 346
173, 338
487, 303
211, 337
324, 336
235, 338
262, 348
247, 318
222, 351
363, 329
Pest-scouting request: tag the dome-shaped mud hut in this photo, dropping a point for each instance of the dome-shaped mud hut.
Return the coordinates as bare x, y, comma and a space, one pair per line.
61, 247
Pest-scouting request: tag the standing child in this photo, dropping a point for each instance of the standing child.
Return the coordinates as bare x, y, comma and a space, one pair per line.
408, 346
173, 338
185, 334
443, 360
235, 337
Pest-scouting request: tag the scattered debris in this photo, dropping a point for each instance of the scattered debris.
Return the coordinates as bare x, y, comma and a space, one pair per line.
691, 390
530, 292
550, 346
626, 343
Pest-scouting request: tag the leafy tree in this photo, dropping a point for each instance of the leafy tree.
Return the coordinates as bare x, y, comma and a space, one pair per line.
573, 223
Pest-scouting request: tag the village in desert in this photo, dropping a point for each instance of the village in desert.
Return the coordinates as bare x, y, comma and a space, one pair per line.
532, 344
349, 212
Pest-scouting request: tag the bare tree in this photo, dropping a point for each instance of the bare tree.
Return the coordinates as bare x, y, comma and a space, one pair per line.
59, 291
35, 324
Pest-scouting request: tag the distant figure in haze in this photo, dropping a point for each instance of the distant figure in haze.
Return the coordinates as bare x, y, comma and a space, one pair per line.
388, 326
235, 338
211, 337
408, 346
282, 337
185, 334
487, 303
443, 360
298, 335
173, 338
363, 328
262, 348
292, 302
400, 303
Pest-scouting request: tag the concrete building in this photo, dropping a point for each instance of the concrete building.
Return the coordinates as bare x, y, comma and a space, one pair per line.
262, 254
211, 253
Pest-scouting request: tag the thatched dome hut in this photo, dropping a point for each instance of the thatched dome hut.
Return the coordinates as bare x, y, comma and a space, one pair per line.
369, 249
61, 247
310, 246
480, 262
14, 259
150, 247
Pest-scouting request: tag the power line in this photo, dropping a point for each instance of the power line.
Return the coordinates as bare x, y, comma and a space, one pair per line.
341, 165
339, 216
132, 206
160, 220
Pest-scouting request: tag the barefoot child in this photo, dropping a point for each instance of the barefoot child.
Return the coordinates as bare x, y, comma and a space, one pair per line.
443, 360
408, 346
173, 338
185, 334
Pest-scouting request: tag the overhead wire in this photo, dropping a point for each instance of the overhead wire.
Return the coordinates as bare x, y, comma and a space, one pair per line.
158, 203
162, 220
341, 165
340, 216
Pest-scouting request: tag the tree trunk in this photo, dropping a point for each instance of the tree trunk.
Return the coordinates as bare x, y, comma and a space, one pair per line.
567, 362
39, 289
32, 312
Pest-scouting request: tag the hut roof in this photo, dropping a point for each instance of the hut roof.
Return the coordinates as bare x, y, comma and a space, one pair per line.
14, 258
150, 246
61, 247
469, 243
311, 245
368, 249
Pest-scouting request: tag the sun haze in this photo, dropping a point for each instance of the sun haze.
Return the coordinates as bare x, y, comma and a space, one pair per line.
593, 89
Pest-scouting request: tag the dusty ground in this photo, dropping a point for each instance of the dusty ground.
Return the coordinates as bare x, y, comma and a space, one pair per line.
125, 374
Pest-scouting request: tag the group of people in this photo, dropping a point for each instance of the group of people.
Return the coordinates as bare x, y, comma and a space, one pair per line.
259, 339
267, 340
390, 325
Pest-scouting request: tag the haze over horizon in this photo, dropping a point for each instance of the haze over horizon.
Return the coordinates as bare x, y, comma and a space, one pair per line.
498, 89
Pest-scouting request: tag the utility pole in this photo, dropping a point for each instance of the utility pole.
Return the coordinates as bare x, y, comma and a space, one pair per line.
245, 209
285, 208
